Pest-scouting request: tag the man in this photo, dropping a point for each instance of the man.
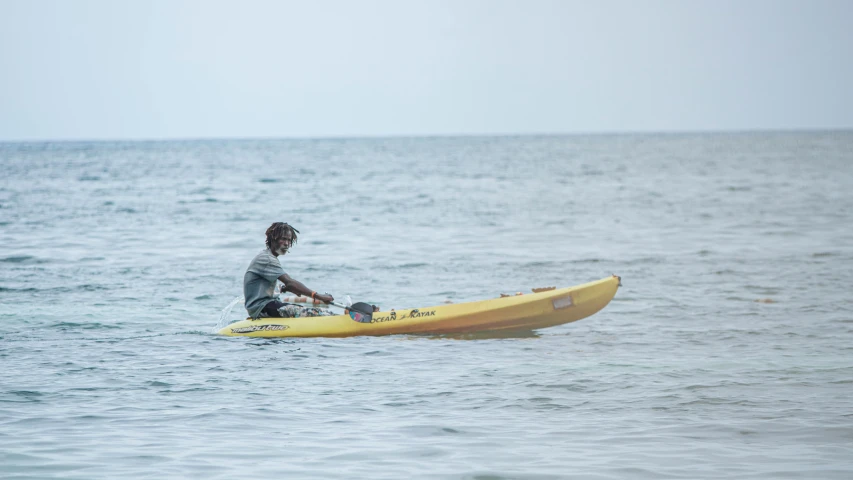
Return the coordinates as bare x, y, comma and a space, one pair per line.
265, 269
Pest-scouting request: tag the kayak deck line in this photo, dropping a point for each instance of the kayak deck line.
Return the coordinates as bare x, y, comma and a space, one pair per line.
544, 308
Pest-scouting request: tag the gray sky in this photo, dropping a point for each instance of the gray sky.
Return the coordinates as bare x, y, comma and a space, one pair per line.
200, 69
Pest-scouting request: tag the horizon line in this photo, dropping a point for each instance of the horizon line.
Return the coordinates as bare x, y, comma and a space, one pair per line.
430, 135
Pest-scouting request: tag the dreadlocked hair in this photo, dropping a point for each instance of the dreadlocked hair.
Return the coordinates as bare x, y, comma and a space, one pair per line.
277, 231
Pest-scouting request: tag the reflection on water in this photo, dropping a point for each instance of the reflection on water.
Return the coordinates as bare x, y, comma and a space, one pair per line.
487, 335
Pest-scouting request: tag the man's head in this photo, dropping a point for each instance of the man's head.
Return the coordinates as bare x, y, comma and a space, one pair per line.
280, 237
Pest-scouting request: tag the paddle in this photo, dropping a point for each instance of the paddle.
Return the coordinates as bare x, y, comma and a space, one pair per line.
359, 311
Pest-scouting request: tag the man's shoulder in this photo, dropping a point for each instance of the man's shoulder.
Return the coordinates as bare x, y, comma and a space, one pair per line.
265, 253
265, 257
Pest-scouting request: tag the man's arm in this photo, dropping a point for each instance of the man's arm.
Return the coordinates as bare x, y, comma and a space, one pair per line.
299, 288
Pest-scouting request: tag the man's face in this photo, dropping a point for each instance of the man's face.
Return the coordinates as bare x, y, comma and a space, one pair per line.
283, 244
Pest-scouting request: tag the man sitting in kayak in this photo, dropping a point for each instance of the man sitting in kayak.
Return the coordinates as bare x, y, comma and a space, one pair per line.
265, 269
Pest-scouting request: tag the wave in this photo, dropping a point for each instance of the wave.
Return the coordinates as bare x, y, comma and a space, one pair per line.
65, 325
24, 259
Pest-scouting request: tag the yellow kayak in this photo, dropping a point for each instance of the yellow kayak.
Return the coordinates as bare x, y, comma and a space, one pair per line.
531, 311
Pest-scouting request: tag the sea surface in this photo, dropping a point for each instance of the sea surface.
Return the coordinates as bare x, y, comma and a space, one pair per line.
727, 353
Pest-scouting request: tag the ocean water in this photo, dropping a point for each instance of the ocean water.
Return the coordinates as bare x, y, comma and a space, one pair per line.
727, 353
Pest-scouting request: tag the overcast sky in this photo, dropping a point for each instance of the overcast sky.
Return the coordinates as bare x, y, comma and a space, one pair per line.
202, 69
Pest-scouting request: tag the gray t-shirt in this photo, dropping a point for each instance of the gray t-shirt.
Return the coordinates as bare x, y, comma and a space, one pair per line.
259, 282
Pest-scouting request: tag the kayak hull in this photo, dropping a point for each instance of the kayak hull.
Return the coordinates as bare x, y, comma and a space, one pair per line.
519, 312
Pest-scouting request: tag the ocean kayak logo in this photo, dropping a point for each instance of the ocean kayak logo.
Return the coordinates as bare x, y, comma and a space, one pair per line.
416, 313
259, 328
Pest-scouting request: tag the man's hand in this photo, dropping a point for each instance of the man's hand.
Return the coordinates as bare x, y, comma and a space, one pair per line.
324, 297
